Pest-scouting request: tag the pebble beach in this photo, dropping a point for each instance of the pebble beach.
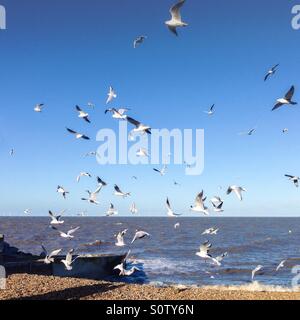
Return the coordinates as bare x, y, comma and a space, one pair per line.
40, 287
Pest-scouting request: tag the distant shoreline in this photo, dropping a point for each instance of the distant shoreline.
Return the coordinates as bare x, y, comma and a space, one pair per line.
35, 287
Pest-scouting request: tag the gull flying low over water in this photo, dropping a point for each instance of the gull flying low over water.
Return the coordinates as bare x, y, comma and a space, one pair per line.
170, 212
111, 95
120, 238
119, 193
220, 258
56, 219
258, 268
237, 190
124, 272
287, 100
111, 211
176, 20
211, 231
62, 191
69, 234
133, 209
271, 72
139, 127
83, 115
177, 225
281, 265
139, 40
204, 252
49, 258
217, 203
78, 135
68, 261
39, 107
83, 174
162, 172
294, 179
140, 235
211, 111
199, 204
93, 196
118, 113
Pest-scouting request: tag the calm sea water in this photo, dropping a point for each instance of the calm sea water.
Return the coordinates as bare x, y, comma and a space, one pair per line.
168, 256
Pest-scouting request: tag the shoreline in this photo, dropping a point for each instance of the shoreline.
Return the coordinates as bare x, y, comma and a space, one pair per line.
40, 287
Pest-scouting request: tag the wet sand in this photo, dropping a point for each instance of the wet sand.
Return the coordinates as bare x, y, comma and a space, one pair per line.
36, 287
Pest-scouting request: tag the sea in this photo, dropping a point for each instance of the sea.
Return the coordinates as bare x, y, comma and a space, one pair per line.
168, 256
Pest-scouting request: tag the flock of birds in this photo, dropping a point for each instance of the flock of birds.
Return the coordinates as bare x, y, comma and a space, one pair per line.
139, 128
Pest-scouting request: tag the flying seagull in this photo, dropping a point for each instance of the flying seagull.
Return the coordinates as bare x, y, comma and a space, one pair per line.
140, 235
271, 72
142, 152
162, 172
287, 100
211, 231
83, 174
248, 133
62, 191
111, 211
285, 130
220, 258
176, 20
199, 204
294, 179
217, 203
69, 234
91, 154
281, 265
170, 212
56, 219
120, 238
83, 115
204, 252
111, 95
12, 152
237, 190
93, 196
259, 267
49, 258
27, 211
118, 113
133, 209
39, 107
69, 260
139, 40
119, 193
139, 127
78, 135
211, 111
124, 272
177, 225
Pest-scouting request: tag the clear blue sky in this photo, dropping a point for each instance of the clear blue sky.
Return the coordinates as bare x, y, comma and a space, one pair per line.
64, 53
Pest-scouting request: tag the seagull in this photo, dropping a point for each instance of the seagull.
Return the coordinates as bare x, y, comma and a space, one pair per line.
204, 252
285, 130
220, 258
176, 183
49, 258
133, 209
78, 135
27, 211
62, 191
294, 179
119, 193
176, 225
124, 272
120, 238
101, 182
259, 267
142, 152
139, 40
216, 200
83, 174
218, 208
111, 95
176, 20
281, 265
162, 172
139, 127
212, 231
12, 152
93, 196
91, 105
83, 115
199, 204
68, 235
170, 212
68, 261
39, 107
91, 154
287, 100
118, 113
211, 111
111, 211
140, 235
56, 219
271, 72
237, 190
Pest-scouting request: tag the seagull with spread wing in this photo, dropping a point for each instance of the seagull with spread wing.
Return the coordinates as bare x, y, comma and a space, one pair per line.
111, 95
83, 115
138, 41
118, 113
170, 212
78, 135
237, 190
294, 179
199, 204
119, 193
49, 258
176, 20
139, 127
287, 100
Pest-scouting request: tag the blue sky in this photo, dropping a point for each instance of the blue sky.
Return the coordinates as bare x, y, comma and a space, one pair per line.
65, 54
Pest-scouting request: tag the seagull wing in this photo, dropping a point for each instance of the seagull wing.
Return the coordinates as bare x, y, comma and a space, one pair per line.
54, 253
175, 10
70, 232
290, 94
277, 106
132, 121
118, 189
78, 109
71, 131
